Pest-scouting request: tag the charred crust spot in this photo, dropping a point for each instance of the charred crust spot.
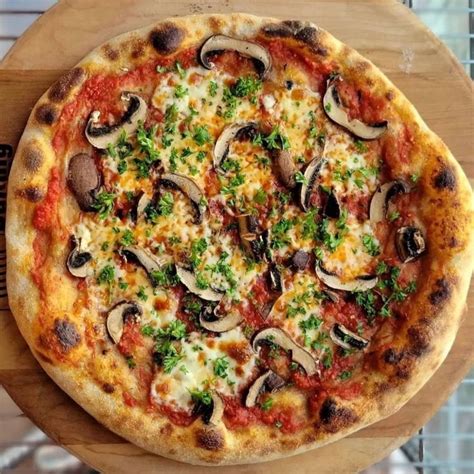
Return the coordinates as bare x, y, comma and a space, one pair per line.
334, 417
300, 31
215, 24
209, 439
419, 340
392, 357
108, 388
110, 53
62, 87
441, 292
138, 49
66, 333
32, 158
453, 243
167, 38
167, 429
445, 179
46, 114
390, 95
32, 194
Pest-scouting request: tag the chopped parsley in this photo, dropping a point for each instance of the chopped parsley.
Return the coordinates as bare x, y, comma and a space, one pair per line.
276, 140
127, 238
267, 404
165, 204
141, 294
201, 135
213, 88
279, 234
104, 204
346, 374
361, 147
393, 216
166, 276
201, 397
221, 364
131, 362
371, 247
180, 91
198, 247
106, 275
147, 147
260, 197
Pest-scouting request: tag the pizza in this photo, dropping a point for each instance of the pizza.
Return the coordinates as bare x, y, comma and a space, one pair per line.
232, 239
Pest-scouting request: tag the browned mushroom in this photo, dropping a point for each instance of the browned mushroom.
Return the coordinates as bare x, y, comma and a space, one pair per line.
101, 136
190, 189
361, 283
346, 339
410, 243
84, 180
335, 111
228, 322
382, 197
188, 279
285, 167
78, 261
247, 48
117, 316
269, 381
281, 338
227, 136
311, 176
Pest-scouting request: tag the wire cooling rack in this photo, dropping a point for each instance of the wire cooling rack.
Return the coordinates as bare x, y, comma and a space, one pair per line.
444, 446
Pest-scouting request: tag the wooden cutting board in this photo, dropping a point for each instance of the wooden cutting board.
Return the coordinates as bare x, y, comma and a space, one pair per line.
382, 30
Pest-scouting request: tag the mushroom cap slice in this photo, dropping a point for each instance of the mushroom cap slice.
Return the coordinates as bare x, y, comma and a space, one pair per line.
83, 179
228, 322
335, 111
188, 279
274, 278
311, 175
269, 380
332, 208
100, 136
346, 339
382, 196
222, 145
300, 260
117, 315
149, 261
361, 283
285, 167
410, 243
282, 339
78, 262
246, 48
190, 189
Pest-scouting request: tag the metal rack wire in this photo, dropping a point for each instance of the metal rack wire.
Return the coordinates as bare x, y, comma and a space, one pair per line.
444, 446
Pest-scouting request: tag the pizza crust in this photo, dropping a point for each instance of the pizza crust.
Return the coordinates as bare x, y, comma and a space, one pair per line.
415, 354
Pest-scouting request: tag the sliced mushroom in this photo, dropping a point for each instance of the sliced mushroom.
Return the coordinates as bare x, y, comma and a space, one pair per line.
311, 175
117, 316
285, 167
361, 283
341, 336
142, 204
188, 279
332, 207
382, 197
149, 261
274, 278
190, 189
269, 381
84, 180
300, 260
246, 48
335, 111
248, 228
227, 136
101, 136
331, 295
410, 243
281, 338
228, 322
77, 261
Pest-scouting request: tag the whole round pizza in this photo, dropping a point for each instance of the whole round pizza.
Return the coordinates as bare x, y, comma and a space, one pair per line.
232, 239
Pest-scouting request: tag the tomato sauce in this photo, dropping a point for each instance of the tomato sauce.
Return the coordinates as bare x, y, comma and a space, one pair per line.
361, 104
396, 150
316, 70
128, 399
131, 338
178, 417
45, 211
237, 416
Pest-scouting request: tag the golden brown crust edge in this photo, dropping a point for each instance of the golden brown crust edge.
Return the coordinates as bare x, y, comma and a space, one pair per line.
417, 353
